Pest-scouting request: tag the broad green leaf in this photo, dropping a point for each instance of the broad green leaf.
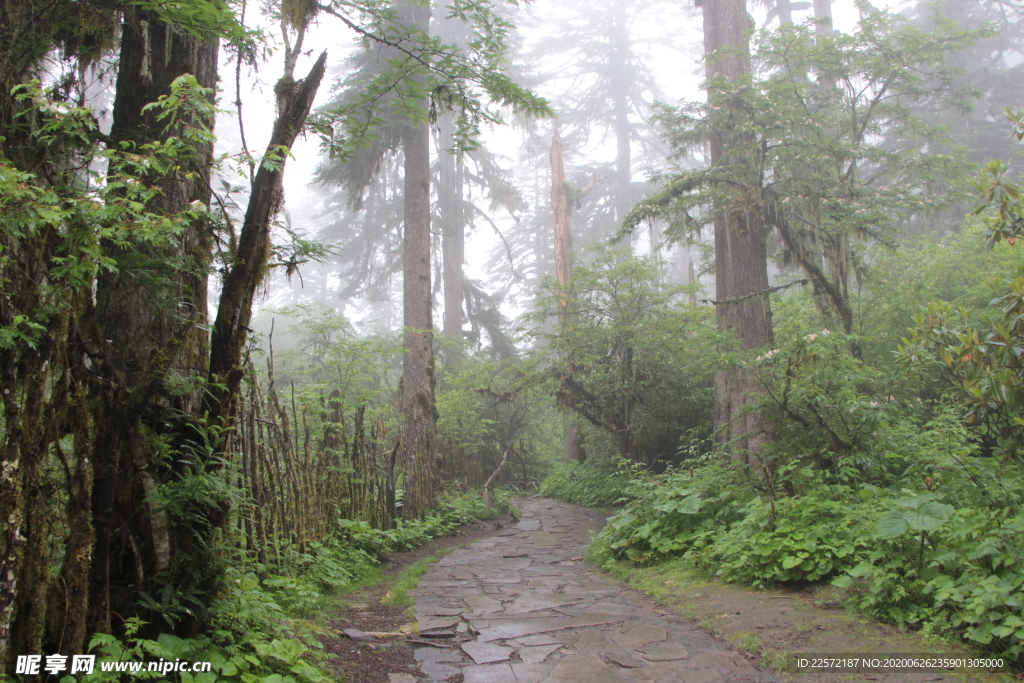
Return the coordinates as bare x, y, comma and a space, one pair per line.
930, 515
892, 525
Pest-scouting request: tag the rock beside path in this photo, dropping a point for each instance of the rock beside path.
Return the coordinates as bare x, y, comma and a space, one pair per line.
521, 607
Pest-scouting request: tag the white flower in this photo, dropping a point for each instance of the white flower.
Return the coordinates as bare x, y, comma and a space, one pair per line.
197, 205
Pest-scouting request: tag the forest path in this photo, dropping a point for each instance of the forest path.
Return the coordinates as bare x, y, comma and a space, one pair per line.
521, 607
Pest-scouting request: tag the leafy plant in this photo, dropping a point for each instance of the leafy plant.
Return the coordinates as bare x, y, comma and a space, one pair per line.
597, 482
921, 513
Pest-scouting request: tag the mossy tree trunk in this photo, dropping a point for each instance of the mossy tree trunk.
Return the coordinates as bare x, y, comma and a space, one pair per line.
741, 272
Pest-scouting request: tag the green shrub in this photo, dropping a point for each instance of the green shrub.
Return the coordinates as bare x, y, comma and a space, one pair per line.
811, 539
964, 577
598, 482
676, 512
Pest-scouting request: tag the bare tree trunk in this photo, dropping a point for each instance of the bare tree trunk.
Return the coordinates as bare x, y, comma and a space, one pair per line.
823, 15
453, 229
741, 274
563, 272
623, 129
420, 413
234, 311
420, 457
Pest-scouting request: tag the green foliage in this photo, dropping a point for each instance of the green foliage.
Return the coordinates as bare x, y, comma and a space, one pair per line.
827, 151
630, 358
261, 658
423, 74
597, 482
1005, 199
943, 559
63, 224
920, 513
983, 352
670, 514
960, 577
824, 402
796, 540
489, 408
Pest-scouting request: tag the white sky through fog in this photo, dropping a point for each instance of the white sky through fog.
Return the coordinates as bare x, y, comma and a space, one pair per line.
677, 64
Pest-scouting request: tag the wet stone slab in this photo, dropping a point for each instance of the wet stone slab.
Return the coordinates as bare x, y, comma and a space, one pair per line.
526, 609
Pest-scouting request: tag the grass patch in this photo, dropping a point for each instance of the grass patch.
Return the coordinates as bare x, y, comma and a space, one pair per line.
766, 657
409, 578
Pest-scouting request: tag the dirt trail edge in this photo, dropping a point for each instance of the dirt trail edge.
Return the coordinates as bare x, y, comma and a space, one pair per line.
521, 607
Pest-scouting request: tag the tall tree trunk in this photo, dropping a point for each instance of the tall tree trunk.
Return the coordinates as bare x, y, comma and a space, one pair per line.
153, 54
420, 413
823, 15
623, 129
419, 449
453, 228
741, 273
784, 10
571, 451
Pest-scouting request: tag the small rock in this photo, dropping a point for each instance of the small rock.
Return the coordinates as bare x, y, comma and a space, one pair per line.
356, 634
401, 678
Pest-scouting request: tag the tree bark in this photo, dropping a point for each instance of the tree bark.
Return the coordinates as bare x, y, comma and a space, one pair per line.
142, 305
453, 228
563, 272
153, 54
420, 455
623, 129
740, 242
234, 310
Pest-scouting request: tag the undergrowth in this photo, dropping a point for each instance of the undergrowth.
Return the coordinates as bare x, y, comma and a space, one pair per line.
596, 483
937, 554
264, 622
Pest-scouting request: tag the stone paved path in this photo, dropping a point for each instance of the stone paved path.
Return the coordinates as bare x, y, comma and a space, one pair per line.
521, 607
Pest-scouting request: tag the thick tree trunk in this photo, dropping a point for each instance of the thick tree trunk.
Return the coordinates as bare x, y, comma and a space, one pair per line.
420, 457
173, 290
153, 54
741, 274
563, 272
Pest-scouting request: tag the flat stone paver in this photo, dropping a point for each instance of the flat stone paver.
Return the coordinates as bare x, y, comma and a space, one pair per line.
521, 607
